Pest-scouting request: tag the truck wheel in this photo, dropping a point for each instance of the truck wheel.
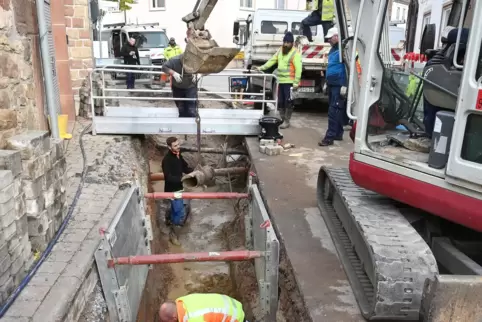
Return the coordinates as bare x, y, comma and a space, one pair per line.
298, 102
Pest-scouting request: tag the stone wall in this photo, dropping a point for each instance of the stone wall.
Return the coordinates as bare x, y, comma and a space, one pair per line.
78, 28
32, 202
21, 105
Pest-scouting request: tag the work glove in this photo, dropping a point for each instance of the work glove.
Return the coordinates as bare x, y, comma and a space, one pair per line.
177, 76
256, 69
194, 79
343, 91
295, 87
132, 53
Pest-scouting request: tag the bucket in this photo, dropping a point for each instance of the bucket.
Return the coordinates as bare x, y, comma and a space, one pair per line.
204, 56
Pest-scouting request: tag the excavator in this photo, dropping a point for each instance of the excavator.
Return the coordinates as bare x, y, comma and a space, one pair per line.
202, 54
407, 224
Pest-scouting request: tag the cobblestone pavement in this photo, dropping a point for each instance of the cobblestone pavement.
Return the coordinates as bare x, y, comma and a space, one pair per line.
60, 288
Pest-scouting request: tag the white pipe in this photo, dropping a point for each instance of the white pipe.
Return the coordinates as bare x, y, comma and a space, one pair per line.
46, 68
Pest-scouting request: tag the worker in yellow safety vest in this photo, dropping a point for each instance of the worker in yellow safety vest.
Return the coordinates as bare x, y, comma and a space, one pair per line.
289, 67
202, 308
323, 13
172, 50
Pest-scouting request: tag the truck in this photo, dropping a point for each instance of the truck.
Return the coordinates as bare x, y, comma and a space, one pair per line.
261, 34
150, 39
407, 223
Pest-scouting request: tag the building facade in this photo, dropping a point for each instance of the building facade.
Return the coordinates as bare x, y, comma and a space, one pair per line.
169, 13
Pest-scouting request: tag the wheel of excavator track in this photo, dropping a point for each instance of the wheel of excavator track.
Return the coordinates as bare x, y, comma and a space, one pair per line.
385, 259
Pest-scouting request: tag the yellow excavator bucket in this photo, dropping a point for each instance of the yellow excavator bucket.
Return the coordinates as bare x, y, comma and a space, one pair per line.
204, 56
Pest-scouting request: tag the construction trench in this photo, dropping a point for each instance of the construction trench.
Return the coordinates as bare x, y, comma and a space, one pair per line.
214, 225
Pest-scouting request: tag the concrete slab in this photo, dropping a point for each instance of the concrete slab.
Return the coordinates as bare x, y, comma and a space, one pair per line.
288, 185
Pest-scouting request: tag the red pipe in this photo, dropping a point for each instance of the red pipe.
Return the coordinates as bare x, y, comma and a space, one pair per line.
196, 195
230, 256
159, 176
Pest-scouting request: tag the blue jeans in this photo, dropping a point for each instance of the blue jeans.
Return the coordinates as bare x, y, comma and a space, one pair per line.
336, 114
284, 99
130, 80
314, 19
429, 113
186, 108
179, 210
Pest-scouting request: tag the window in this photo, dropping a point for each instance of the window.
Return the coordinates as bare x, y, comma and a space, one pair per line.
274, 27
472, 145
150, 39
158, 4
398, 13
280, 4
444, 22
296, 29
246, 4
404, 14
425, 21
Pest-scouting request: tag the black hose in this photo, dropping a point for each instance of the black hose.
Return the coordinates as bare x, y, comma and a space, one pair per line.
52, 243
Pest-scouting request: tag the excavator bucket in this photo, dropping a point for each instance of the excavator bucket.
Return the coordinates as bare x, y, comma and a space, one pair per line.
203, 56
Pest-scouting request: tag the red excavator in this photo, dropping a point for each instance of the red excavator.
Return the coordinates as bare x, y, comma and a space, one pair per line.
406, 217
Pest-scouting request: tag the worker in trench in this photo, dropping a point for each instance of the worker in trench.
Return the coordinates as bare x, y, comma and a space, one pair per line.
323, 14
335, 80
131, 57
183, 85
289, 65
173, 167
202, 308
172, 50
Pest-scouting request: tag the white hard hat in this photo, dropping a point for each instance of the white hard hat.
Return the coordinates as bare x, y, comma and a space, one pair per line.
332, 32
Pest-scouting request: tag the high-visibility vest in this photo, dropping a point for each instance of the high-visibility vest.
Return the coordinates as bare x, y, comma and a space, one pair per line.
209, 308
289, 66
327, 9
170, 52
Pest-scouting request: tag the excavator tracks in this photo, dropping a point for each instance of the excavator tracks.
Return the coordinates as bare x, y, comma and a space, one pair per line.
385, 259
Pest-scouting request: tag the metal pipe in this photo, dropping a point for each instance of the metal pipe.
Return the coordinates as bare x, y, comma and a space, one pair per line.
196, 195
182, 99
229, 256
170, 91
48, 65
159, 176
207, 150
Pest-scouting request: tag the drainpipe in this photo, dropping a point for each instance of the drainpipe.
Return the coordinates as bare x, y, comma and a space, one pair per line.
48, 79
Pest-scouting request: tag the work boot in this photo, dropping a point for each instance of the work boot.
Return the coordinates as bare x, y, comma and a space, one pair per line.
173, 237
286, 121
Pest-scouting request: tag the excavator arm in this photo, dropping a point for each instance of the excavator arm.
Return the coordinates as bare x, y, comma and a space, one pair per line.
203, 55
198, 17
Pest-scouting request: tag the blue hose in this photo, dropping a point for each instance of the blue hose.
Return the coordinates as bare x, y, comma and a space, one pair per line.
52, 243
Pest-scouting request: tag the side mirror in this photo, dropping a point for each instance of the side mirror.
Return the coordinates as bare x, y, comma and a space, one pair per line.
235, 28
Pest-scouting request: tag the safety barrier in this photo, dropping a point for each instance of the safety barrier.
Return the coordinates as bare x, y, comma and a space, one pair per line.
125, 118
123, 256
128, 234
